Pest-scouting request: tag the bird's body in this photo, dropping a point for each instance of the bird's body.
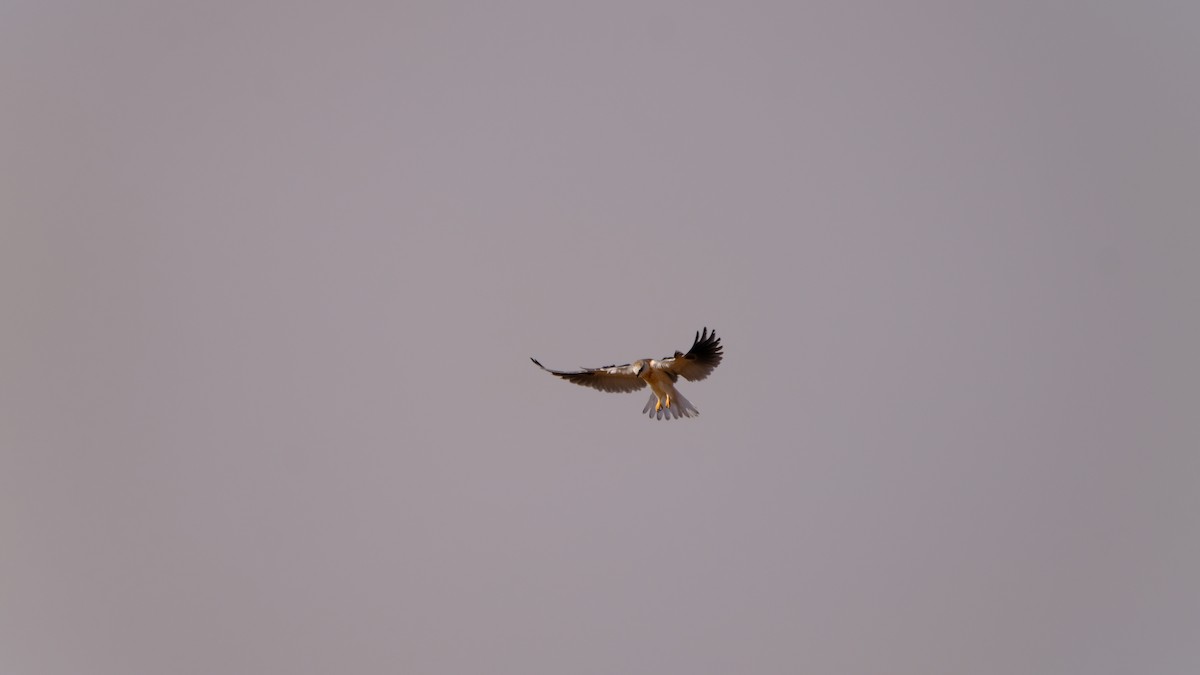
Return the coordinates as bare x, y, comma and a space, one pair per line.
659, 375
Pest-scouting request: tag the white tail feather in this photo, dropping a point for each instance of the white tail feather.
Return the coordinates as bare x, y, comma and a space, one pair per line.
680, 407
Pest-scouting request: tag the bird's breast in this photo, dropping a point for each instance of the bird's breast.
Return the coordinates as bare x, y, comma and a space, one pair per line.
657, 378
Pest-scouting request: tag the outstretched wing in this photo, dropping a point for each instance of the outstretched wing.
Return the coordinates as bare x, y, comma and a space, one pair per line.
609, 378
705, 354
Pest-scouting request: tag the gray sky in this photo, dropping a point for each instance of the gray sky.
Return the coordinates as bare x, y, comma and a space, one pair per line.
271, 277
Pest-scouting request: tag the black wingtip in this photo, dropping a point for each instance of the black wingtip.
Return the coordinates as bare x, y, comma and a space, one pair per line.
704, 336
539, 363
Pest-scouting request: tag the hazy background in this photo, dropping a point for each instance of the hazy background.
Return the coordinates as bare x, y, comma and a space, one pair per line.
271, 274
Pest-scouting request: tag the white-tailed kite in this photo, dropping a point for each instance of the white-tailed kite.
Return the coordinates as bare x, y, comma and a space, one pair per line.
661, 375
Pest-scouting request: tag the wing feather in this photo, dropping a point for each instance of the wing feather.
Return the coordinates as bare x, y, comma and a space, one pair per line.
618, 379
705, 355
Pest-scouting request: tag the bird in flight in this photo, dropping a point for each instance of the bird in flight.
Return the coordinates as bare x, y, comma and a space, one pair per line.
661, 375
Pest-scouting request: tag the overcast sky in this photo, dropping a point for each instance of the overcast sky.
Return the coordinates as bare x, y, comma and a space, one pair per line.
271, 275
